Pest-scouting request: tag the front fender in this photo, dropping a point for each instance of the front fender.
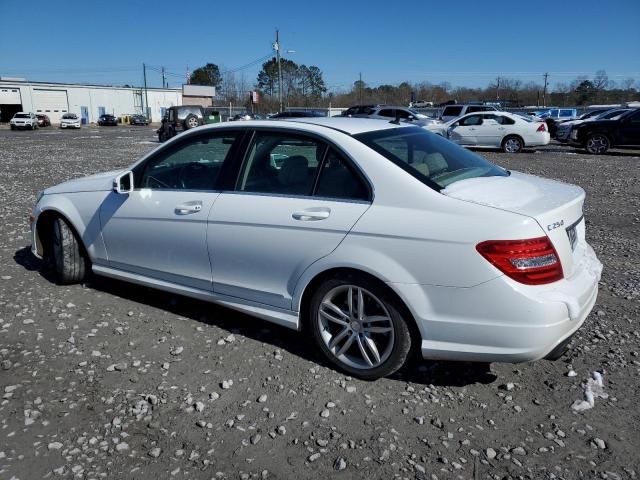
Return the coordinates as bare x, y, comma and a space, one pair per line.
82, 211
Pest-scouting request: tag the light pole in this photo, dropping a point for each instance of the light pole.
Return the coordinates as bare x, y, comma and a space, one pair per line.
276, 47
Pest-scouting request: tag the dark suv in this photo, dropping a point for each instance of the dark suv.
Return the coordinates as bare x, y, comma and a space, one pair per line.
180, 118
599, 136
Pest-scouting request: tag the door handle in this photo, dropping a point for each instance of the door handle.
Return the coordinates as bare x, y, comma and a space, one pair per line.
312, 214
188, 208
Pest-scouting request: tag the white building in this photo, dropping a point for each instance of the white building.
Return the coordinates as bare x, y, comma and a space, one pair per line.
88, 101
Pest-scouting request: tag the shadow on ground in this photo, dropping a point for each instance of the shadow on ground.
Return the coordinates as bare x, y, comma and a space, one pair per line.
416, 371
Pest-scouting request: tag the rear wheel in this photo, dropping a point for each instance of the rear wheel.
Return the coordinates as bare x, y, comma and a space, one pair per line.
512, 144
358, 327
191, 121
597, 144
66, 253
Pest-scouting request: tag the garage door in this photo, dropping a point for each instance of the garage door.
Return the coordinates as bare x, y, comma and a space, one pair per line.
10, 103
10, 96
50, 102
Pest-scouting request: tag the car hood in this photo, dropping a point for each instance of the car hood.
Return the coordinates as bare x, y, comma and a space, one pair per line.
69, 120
93, 183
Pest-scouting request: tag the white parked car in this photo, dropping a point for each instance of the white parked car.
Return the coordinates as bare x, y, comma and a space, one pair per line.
503, 130
24, 120
374, 239
70, 120
404, 114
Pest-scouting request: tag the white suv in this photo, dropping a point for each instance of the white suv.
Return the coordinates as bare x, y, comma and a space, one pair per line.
454, 111
24, 120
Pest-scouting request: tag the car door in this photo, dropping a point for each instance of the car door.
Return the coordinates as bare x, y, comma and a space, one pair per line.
629, 130
159, 229
490, 132
295, 200
464, 131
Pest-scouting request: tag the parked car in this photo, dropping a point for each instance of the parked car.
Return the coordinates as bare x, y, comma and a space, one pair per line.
70, 120
107, 120
43, 120
298, 114
23, 120
245, 116
391, 112
453, 257
358, 110
178, 119
454, 111
420, 104
564, 129
139, 120
503, 130
555, 116
600, 135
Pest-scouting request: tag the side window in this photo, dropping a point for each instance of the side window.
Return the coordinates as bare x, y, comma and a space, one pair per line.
172, 115
339, 180
387, 112
192, 165
635, 118
281, 164
471, 120
402, 113
474, 109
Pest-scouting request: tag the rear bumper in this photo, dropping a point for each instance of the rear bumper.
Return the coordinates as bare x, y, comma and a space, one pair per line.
501, 320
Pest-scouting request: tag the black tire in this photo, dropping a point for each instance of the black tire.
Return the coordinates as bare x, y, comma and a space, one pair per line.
191, 122
13, 127
512, 144
597, 143
400, 345
67, 256
163, 136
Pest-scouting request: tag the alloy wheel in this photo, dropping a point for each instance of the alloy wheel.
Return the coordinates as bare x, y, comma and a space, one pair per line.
356, 327
597, 144
512, 145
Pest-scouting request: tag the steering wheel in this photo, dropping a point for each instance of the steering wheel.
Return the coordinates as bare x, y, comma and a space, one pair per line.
190, 173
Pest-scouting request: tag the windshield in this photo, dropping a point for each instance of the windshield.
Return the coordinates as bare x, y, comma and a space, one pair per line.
611, 114
21, 115
69, 116
428, 157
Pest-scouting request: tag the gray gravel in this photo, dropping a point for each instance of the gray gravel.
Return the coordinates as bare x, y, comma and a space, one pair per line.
109, 380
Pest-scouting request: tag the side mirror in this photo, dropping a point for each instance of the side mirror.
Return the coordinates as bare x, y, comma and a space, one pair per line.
123, 183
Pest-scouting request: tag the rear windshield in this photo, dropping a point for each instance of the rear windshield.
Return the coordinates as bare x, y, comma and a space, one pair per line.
428, 157
452, 111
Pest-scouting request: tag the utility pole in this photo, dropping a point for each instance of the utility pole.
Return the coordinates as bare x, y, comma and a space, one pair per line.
163, 78
498, 89
276, 47
544, 90
146, 98
360, 90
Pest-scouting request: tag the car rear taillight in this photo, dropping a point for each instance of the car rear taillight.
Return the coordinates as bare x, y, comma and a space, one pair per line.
533, 261
542, 128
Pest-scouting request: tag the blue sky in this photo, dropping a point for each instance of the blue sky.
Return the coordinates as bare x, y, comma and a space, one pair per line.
461, 42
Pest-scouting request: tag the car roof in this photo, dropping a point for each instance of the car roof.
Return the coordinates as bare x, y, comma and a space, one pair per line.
349, 126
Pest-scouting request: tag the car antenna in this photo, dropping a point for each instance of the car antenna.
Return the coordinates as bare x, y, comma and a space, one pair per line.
397, 119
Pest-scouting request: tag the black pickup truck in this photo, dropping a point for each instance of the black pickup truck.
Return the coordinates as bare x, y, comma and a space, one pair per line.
599, 136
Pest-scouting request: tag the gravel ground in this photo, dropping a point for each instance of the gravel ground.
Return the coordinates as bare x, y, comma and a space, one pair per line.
110, 380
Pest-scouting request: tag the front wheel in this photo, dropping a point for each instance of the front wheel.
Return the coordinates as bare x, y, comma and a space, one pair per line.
597, 144
66, 254
512, 145
358, 328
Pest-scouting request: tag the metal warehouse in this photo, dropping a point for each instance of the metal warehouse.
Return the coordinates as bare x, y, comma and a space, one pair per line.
88, 101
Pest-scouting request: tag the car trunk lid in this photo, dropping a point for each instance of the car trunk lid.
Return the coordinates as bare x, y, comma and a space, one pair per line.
556, 207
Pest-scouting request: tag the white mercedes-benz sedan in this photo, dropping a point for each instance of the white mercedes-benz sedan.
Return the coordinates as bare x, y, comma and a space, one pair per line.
503, 130
377, 239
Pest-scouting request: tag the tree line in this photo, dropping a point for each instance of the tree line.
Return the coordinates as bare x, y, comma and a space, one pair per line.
304, 86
